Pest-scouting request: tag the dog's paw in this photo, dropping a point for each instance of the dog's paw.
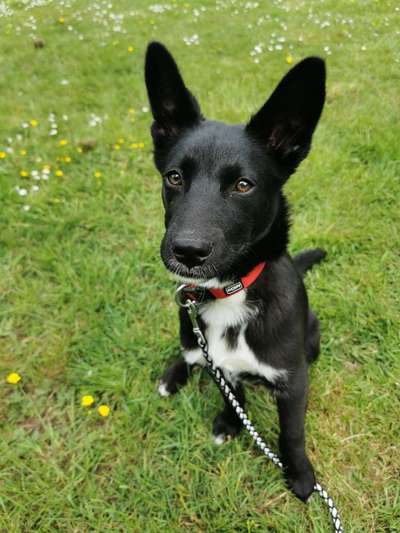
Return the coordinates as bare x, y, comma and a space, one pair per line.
302, 483
174, 377
225, 428
219, 439
163, 389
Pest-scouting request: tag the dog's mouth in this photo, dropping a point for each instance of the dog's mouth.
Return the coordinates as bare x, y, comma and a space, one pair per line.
203, 272
206, 275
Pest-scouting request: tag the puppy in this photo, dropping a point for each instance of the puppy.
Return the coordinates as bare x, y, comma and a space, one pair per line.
227, 232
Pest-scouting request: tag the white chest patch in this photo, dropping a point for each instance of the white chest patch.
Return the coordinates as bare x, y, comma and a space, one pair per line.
219, 315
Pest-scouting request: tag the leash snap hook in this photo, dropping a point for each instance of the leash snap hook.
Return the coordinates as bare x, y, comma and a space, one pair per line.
183, 300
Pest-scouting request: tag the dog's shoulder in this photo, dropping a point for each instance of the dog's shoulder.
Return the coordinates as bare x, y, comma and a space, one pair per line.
280, 286
276, 333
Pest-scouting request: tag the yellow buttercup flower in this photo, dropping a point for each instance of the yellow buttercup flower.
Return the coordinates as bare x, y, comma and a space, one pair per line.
141, 145
13, 378
22, 151
130, 49
61, 20
3, 155
289, 59
59, 173
117, 147
97, 174
134, 145
67, 159
33, 123
24, 173
103, 410
87, 400
63, 142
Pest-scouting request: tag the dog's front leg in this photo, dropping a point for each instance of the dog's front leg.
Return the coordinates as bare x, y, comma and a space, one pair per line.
292, 408
227, 424
174, 377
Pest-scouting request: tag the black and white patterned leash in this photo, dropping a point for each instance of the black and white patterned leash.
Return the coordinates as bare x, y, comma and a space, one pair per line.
192, 309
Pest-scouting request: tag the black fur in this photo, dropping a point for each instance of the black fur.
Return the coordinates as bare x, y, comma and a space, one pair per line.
231, 335
218, 228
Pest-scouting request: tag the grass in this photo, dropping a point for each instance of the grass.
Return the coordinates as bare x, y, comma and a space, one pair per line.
87, 308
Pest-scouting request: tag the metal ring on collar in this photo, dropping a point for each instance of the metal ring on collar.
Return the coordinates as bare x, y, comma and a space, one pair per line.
181, 299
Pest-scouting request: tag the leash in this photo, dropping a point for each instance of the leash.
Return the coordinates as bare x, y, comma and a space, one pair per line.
192, 309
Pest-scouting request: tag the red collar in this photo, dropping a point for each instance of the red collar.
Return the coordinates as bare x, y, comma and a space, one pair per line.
239, 285
199, 294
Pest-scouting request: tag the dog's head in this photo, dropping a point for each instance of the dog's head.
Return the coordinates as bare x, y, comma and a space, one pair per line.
222, 183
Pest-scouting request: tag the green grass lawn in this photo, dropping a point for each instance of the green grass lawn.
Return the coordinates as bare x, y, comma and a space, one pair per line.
86, 306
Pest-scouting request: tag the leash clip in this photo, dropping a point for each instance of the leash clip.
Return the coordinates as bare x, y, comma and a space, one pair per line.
184, 300
181, 298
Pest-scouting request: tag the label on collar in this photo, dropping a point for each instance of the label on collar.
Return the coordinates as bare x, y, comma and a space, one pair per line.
235, 287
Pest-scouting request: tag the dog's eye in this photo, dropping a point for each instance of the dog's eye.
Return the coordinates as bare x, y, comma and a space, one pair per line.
174, 178
243, 185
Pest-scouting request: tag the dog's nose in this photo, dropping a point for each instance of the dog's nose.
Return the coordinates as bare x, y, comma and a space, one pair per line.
191, 252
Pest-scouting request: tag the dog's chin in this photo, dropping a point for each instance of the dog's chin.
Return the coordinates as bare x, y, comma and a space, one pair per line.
195, 276
212, 283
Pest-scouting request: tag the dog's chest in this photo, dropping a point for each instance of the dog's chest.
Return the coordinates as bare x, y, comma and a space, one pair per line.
226, 321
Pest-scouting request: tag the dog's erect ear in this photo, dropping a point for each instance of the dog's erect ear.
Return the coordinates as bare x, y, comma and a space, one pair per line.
174, 108
287, 120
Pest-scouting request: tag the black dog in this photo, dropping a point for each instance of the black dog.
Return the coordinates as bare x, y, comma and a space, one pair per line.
227, 230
